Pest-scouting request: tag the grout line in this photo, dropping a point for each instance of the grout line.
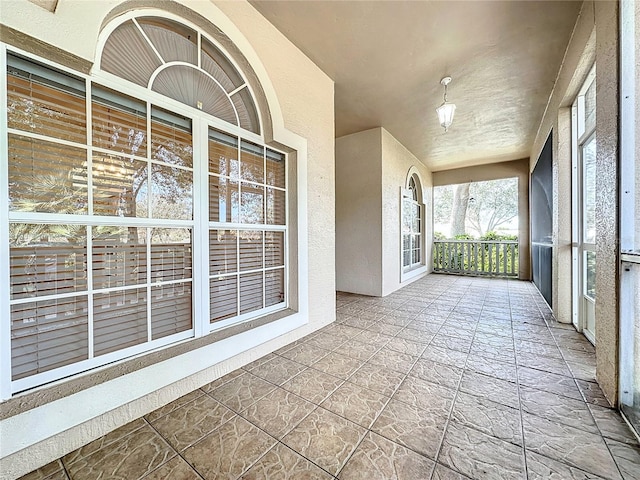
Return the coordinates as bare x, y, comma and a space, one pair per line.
455, 396
515, 355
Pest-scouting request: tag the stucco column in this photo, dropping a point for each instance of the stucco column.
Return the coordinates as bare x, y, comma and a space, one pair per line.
562, 261
607, 106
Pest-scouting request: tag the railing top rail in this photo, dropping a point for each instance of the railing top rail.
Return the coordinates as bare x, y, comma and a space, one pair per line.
514, 242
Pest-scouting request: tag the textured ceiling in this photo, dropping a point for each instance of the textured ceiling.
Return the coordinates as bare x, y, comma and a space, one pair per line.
387, 59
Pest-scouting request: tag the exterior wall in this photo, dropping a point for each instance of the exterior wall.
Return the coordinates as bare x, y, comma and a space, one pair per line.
496, 171
300, 100
358, 221
595, 39
396, 163
371, 168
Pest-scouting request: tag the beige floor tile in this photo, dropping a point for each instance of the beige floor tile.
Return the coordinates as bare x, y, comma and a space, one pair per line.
242, 391
355, 403
278, 412
313, 385
326, 439
480, 456
440, 373
488, 417
569, 445
429, 397
377, 458
174, 469
189, 423
379, 380
282, 463
627, 457
540, 467
229, 451
393, 360
412, 427
131, 456
557, 408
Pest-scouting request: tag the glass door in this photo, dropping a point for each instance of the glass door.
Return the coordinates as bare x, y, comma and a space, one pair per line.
584, 218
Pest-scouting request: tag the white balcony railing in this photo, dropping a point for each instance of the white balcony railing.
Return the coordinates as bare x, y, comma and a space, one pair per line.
497, 258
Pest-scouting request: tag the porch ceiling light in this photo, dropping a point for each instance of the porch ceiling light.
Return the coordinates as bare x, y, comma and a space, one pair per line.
446, 110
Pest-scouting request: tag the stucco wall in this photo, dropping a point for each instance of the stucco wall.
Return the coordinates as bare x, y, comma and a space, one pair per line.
396, 163
358, 218
496, 171
300, 97
371, 168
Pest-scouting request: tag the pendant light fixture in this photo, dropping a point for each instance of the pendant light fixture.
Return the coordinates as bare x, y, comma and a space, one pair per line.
446, 110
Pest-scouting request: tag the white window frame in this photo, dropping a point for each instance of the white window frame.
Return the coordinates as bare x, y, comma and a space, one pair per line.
580, 137
414, 269
199, 225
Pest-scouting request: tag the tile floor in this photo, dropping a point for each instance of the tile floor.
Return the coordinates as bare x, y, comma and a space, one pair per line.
449, 378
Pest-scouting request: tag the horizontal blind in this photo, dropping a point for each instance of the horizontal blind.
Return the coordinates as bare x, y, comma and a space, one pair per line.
276, 206
223, 154
170, 309
224, 200
118, 122
251, 162
274, 287
39, 270
48, 334
46, 177
45, 101
274, 249
223, 296
275, 169
251, 292
250, 250
223, 251
119, 320
171, 138
251, 203
120, 186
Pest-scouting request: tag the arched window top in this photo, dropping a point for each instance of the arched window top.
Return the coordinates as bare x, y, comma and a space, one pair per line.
180, 62
413, 188
413, 185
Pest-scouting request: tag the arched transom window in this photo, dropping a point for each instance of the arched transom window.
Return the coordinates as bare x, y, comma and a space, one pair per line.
179, 62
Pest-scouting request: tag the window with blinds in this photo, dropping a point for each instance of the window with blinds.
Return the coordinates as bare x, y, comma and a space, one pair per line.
104, 227
101, 223
247, 211
411, 227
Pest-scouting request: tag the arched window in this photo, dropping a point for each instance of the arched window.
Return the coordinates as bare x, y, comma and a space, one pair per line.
412, 225
179, 62
144, 207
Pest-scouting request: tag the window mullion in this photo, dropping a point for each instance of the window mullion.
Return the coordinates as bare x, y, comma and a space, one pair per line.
200, 278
